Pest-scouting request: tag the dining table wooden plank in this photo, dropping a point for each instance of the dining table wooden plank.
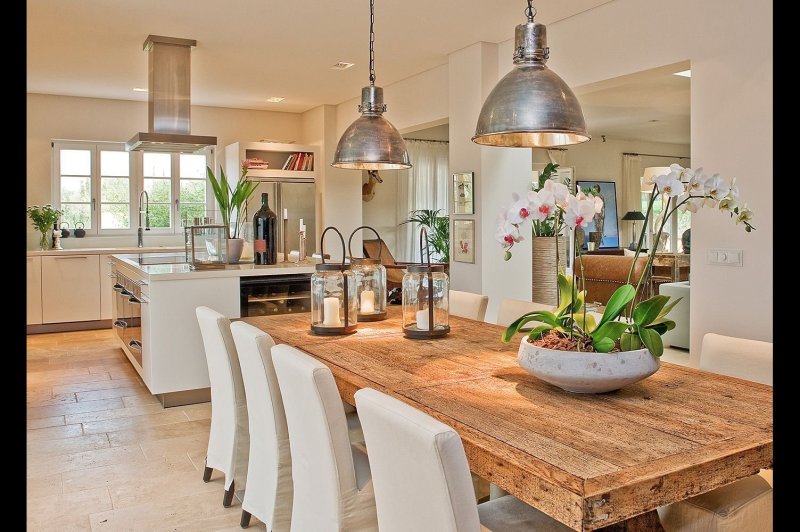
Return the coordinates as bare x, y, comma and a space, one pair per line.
602, 461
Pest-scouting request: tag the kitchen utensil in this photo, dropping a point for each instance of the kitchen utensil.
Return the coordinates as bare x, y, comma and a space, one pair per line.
64, 230
80, 232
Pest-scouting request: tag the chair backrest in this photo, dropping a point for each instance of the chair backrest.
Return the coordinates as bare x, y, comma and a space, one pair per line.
737, 357
468, 305
228, 401
419, 470
269, 487
322, 460
605, 273
375, 248
511, 309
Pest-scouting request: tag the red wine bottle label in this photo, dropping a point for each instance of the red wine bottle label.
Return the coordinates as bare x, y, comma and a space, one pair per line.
260, 246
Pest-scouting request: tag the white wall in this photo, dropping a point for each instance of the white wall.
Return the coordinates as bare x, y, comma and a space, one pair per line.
68, 117
384, 212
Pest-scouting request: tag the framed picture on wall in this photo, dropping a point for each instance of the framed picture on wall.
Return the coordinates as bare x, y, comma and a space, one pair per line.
463, 193
604, 224
464, 241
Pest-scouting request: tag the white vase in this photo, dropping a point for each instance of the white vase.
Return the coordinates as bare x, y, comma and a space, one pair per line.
583, 372
233, 249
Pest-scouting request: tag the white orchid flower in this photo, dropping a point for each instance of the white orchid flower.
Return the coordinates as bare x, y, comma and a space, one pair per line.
692, 204
669, 184
543, 204
520, 210
716, 188
745, 215
733, 193
696, 184
728, 204
598, 204
507, 234
678, 169
579, 212
559, 191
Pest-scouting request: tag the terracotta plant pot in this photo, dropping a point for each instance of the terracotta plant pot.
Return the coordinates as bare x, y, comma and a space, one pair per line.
583, 372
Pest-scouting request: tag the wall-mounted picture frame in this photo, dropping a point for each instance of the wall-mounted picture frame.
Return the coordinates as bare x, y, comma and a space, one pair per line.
464, 193
605, 221
464, 241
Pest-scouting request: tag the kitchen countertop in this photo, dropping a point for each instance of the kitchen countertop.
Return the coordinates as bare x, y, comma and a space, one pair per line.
105, 251
181, 270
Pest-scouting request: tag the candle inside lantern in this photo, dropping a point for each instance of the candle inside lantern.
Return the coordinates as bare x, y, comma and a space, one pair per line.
285, 214
330, 312
422, 320
367, 301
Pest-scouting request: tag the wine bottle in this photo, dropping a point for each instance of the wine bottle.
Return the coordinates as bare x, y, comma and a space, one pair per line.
265, 228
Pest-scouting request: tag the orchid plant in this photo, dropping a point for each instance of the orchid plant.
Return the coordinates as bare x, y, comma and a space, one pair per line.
623, 325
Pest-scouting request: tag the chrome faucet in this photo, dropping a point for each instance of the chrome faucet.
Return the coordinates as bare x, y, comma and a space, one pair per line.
146, 212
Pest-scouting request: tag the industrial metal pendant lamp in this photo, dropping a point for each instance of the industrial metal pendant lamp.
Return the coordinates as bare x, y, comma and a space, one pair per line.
371, 142
531, 106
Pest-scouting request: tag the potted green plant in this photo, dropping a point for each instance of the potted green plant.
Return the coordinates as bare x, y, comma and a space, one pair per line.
43, 219
581, 351
438, 230
231, 202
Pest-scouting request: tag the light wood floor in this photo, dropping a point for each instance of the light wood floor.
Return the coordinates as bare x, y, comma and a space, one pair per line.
102, 452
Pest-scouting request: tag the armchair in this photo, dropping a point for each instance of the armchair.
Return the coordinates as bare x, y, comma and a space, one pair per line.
394, 270
605, 273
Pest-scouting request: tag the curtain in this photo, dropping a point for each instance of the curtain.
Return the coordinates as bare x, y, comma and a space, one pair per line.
631, 193
425, 187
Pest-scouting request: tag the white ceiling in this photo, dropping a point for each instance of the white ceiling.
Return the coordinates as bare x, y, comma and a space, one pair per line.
249, 50
652, 105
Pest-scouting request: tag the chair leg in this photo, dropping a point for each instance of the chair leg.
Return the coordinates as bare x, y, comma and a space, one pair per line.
207, 474
245, 522
228, 497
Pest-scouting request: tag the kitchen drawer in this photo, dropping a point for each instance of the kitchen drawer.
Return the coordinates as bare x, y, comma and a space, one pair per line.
34, 299
70, 288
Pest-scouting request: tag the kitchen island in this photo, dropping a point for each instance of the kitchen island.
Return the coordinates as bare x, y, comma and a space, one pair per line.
155, 297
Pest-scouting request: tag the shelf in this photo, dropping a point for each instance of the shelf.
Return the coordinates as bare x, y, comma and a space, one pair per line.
269, 172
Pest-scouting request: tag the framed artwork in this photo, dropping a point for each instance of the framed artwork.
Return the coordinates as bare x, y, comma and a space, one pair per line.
464, 241
463, 193
605, 221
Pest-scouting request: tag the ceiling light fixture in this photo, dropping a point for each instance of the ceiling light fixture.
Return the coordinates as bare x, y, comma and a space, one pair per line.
275, 99
684, 73
139, 89
531, 106
342, 65
371, 142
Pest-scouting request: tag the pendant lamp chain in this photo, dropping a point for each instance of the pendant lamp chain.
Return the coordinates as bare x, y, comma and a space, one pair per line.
530, 11
372, 43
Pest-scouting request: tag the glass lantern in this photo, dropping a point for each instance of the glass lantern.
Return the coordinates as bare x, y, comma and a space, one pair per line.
207, 246
426, 306
370, 278
334, 301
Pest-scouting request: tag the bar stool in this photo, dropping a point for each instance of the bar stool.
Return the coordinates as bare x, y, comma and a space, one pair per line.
229, 438
332, 482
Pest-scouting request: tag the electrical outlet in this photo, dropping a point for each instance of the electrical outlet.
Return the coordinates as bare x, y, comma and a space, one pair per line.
725, 257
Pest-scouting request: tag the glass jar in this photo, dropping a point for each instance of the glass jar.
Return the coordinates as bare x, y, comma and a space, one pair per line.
426, 307
246, 233
207, 246
334, 300
370, 278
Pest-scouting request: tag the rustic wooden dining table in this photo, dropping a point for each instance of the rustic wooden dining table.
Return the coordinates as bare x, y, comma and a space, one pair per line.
592, 462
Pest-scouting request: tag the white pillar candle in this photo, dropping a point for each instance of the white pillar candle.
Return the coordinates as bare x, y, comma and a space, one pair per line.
285, 214
330, 312
422, 320
367, 301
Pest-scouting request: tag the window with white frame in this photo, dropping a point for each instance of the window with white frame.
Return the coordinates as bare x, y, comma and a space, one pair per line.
97, 185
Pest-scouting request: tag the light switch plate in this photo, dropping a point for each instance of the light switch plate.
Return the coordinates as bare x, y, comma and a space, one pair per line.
725, 257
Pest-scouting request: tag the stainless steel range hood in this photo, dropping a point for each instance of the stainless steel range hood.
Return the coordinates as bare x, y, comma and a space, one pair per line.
169, 102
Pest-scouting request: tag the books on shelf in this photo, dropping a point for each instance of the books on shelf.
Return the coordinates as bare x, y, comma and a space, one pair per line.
256, 163
300, 161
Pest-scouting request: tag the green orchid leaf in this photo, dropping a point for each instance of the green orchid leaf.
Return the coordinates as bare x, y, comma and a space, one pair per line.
603, 345
668, 307
537, 332
629, 342
652, 341
585, 321
668, 323
617, 302
565, 292
610, 329
543, 316
648, 310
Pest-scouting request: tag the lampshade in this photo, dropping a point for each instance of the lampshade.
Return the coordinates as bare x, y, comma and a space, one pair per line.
371, 142
649, 175
633, 215
531, 106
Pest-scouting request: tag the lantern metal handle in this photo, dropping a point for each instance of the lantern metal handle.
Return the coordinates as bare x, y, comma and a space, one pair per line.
350, 241
424, 231
322, 241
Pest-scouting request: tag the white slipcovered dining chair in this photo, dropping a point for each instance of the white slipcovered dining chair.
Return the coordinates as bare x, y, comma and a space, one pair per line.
511, 309
744, 505
422, 479
228, 439
331, 477
269, 486
468, 305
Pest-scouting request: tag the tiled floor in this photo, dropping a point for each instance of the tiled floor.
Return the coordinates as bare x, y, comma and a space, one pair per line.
102, 452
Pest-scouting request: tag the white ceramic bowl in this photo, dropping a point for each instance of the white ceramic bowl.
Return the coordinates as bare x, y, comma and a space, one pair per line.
583, 372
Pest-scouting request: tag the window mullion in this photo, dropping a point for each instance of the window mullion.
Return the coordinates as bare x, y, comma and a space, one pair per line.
94, 200
176, 191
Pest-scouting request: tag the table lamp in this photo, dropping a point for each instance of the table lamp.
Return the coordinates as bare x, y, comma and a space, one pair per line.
633, 216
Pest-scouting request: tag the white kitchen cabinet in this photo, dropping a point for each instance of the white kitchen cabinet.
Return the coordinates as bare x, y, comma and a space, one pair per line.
34, 298
70, 288
106, 292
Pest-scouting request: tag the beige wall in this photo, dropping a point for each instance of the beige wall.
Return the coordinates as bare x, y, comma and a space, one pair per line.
68, 117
